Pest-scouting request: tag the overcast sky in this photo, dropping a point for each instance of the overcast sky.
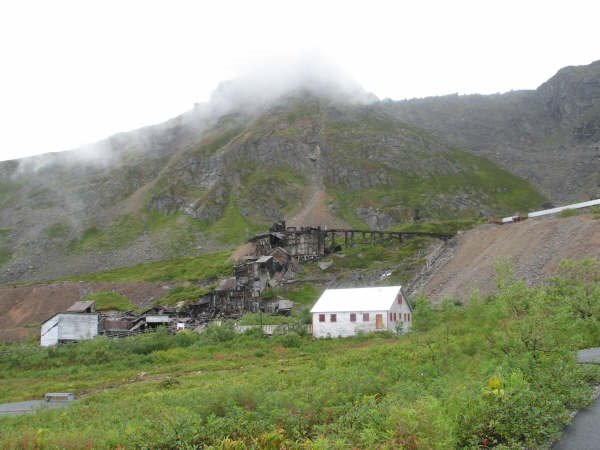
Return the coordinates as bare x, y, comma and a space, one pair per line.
73, 72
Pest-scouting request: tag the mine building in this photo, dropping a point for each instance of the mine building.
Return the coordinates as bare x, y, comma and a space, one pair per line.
69, 326
347, 312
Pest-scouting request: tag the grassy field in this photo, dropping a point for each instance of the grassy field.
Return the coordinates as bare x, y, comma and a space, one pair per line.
207, 266
498, 372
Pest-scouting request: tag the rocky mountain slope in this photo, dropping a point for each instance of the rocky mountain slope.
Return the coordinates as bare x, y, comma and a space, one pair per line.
550, 136
313, 152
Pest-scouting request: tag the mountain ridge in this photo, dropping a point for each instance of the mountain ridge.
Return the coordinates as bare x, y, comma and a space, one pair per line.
211, 177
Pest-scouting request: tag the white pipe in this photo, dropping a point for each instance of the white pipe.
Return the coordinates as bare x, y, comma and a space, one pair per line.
545, 212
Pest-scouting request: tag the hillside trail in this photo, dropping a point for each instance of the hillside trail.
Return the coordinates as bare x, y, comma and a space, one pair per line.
314, 211
534, 248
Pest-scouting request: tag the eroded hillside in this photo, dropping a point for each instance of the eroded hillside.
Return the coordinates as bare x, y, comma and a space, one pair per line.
533, 248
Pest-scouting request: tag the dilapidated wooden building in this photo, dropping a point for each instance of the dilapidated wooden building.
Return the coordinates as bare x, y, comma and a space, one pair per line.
303, 243
68, 327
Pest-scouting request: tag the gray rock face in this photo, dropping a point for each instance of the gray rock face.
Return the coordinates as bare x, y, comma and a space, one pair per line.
550, 136
572, 98
377, 220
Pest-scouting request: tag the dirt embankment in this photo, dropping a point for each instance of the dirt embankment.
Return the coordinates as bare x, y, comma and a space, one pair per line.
315, 212
536, 247
23, 308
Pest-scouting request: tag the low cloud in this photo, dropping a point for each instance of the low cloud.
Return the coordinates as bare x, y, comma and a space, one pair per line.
270, 80
259, 86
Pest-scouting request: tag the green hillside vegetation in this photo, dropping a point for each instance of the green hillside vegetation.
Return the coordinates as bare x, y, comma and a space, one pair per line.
232, 227
57, 231
411, 175
442, 226
400, 259
175, 233
593, 211
484, 185
185, 294
498, 372
110, 301
209, 266
5, 249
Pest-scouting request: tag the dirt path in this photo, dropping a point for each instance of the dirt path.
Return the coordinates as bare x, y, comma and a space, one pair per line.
315, 211
535, 247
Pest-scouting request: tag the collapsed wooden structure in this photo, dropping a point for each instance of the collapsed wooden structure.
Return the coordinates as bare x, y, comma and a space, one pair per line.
81, 322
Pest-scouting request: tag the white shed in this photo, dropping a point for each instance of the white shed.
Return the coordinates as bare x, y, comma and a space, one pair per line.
346, 312
68, 327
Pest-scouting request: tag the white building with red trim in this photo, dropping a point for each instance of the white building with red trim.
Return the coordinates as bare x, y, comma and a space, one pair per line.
346, 312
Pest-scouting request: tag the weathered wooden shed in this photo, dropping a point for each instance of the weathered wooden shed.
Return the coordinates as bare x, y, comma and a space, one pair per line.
68, 327
346, 312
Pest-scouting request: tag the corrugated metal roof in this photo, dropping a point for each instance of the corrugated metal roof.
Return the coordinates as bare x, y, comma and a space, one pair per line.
81, 306
359, 299
264, 259
158, 319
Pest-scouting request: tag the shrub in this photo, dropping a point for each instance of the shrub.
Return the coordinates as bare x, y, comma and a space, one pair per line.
290, 340
216, 333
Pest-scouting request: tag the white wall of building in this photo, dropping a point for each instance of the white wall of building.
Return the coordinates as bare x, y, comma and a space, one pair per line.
77, 327
68, 326
388, 302
343, 327
49, 332
403, 316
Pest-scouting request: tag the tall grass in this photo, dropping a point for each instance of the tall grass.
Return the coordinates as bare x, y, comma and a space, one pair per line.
499, 372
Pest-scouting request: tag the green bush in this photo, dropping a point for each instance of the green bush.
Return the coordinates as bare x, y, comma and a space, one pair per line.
218, 333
